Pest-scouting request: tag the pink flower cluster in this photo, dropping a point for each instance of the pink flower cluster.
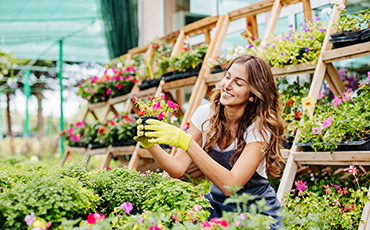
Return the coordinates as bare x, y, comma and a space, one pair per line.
344, 97
92, 218
214, 222
326, 123
37, 223
156, 106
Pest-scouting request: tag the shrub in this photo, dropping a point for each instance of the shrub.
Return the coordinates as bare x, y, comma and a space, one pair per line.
49, 198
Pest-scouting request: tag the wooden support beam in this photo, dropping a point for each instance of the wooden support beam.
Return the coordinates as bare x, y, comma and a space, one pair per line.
254, 9
331, 84
179, 43
272, 22
207, 36
335, 78
197, 27
307, 11
251, 25
287, 178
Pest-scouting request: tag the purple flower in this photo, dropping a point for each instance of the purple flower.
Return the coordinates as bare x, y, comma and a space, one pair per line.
282, 54
250, 46
322, 30
307, 49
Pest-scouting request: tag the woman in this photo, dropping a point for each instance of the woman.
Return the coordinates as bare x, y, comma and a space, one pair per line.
234, 140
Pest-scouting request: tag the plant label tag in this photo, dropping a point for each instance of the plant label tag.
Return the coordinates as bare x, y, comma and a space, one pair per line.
308, 104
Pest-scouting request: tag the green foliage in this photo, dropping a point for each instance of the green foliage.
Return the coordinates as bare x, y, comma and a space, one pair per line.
50, 198
295, 47
330, 125
189, 58
334, 210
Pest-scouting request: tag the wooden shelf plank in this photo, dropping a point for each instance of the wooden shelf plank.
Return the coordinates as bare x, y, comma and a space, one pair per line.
100, 151
337, 158
213, 79
119, 99
198, 26
92, 107
178, 84
293, 69
76, 149
143, 93
348, 52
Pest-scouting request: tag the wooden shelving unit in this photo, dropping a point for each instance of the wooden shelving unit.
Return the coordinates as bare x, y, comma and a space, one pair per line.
325, 69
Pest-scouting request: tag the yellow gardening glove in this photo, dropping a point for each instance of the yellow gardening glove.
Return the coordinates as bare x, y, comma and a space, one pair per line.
143, 141
164, 133
140, 135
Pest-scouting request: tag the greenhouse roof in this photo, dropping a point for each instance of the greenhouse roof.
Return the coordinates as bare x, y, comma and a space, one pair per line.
32, 29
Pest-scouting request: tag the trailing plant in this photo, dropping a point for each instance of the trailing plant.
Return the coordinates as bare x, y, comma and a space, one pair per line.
330, 124
156, 106
334, 207
295, 47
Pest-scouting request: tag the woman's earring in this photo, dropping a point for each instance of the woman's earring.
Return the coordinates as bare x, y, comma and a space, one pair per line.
251, 99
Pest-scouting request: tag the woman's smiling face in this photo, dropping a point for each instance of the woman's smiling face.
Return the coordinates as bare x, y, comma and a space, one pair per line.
235, 89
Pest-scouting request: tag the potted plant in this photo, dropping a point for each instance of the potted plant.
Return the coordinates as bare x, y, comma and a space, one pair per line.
118, 131
120, 81
291, 95
218, 63
343, 124
76, 135
187, 63
295, 47
156, 107
350, 29
94, 89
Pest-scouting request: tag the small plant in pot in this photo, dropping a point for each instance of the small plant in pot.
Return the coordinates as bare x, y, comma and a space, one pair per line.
156, 107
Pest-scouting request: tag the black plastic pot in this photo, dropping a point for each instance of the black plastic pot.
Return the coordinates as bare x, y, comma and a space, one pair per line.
363, 144
147, 84
177, 75
97, 145
287, 141
348, 38
124, 142
123, 91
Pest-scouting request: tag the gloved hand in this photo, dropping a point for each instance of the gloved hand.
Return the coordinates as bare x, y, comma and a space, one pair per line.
143, 141
164, 133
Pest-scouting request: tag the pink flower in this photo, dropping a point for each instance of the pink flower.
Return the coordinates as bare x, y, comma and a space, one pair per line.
172, 105
327, 188
162, 95
368, 75
91, 219
321, 95
242, 216
237, 223
135, 99
108, 91
160, 115
205, 225
351, 169
301, 186
30, 218
197, 207
336, 101
127, 207
327, 122
118, 77
154, 228
94, 79
119, 86
157, 105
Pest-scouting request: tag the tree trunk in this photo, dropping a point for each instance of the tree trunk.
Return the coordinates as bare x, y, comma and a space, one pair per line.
10, 133
40, 118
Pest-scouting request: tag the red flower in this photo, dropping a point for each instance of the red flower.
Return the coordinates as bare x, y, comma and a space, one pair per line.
185, 48
125, 116
298, 114
91, 219
290, 102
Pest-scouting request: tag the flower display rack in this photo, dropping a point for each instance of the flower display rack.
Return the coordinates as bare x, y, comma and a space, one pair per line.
325, 69
203, 26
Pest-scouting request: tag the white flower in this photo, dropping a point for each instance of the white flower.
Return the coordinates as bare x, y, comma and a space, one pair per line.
327, 10
110, 72
119, 64
34, 159
173, 119
336, 2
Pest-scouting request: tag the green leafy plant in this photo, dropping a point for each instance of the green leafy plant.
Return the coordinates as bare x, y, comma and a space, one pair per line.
295, 47
333, 207
120, 81
94, 89
330, 125
156, 107
119, 129
189, 58
75, 135
49, 197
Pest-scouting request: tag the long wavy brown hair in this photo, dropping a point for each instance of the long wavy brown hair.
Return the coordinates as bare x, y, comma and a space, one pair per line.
263, 111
